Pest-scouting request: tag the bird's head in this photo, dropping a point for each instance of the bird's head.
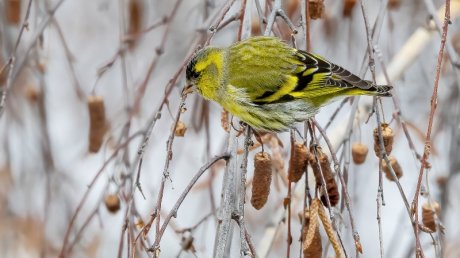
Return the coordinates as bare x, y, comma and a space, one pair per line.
206, 71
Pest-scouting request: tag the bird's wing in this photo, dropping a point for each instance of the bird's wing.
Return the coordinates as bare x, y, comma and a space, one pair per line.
269, 71
338, 77
335, 75
264, 68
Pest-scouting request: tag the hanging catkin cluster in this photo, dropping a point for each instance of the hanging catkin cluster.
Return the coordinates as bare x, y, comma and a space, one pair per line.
324, 167
261, 180
298, 161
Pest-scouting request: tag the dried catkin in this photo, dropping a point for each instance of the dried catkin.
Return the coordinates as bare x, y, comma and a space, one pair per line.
316, 9
112, 203
224, 121
331, 184
297, 162
97, 122
13, 11
396, 167
135, 20
311, 238
388, 137
359, 153
428, 211
394, 4
32, 93
261, 180
180, 129
329, 229
292, 8
348, 7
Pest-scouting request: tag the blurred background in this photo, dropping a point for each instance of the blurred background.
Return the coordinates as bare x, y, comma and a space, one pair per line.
97, 146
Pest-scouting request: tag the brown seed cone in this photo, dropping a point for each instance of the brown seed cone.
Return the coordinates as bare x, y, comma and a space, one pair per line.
388, 137
13, 11
394, 4
331, 184
32, 93
359, 153
135, 20
396, 167
180, 129
314, 249
348, 7
292, 8
332, 191
442, 181
298, 162
96, 122
112, 203
428, 210
262, 179
316, 9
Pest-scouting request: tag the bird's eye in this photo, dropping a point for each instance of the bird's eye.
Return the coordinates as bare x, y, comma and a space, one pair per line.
195, 75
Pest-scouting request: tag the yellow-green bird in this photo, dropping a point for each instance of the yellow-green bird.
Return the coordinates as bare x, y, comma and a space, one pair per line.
270, 85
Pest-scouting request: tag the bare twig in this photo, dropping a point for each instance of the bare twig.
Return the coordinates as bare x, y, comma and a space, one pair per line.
271, 19
224, 215
427, 146
15, 63
184, 194
12, 60
239, 213
344, 185
64, 250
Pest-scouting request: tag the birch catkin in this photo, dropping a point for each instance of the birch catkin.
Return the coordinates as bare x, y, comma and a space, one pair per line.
96, 122
262, 179
396, 167
13, 11
388, 138
297, 162
428, 211
331, 184
311, 243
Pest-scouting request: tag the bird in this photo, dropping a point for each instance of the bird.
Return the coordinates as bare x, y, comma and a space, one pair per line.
270, 85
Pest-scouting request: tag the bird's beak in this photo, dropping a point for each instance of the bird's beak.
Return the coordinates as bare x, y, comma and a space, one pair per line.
189, 88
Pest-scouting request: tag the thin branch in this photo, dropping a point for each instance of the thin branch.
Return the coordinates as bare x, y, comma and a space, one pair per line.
184, 194
271, 19
427, 146
344, 184
86, 194
12, 60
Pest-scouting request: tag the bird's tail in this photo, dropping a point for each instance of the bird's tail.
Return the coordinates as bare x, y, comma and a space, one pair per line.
381, 90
